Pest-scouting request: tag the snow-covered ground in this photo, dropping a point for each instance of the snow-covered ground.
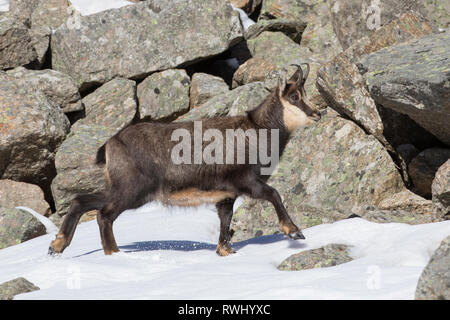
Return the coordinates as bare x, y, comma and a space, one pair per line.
87, 7
170, 254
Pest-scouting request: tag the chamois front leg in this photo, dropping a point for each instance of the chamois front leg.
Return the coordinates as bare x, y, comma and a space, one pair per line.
258, 189
225, 211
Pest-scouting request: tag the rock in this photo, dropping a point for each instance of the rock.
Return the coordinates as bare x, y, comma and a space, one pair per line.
17, 226
16, 47
407, 152
14, 287
305, 10
152, 36
113, 105
40, 40
423, 168
327, 256
327, 170
418, 85
397, 216
249, 6
254, 70
164, 95
232, 103
434, 283
354, 19
14, 194
51, 13
75, 165
57, 86
350, 97
31, 129
440, 190
278, 49
292, 28
22, 9
205, 86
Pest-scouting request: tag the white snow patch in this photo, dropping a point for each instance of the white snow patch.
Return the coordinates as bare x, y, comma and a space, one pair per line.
49, 225
4, 5
170, 254
245, 20
87, 7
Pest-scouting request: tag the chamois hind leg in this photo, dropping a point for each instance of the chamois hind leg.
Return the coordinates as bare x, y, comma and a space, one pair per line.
80, 204
225, 211
258, 189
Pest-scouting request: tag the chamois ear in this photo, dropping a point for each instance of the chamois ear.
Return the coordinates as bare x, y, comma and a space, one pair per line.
306, 73
297, 78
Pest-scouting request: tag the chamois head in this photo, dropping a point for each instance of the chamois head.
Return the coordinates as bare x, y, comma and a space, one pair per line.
298, 111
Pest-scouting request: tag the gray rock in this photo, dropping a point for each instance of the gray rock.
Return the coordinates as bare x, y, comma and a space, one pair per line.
205, 86
22, 9
232, 103
253, 70
51, 13
17, 226
304, 10
75, 165
31, 129
152, 36
14, 287
434, 283
354, 19
16, 47
418, 84
327, 256
351, 98
40, 40
292, 28
328, 171
278, 49
57, 86
423, 167
113, 105
14, 194
164, 95
440, 190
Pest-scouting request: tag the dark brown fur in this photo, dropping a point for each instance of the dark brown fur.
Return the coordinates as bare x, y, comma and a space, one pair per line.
139, 168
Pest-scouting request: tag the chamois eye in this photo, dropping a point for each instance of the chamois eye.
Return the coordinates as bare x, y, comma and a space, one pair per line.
294, 97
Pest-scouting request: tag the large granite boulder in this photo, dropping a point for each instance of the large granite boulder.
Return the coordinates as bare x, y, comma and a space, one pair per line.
253, 70
17, 226
203, 87
232, 103
136, 40
354, 19
292, 28
164, 95
22, 9
75, 165
57, 86
342, 86
51, 13
31, 129
113, 105
418, 84
15, 194
440, 190
327, 172
16, 46
434, 283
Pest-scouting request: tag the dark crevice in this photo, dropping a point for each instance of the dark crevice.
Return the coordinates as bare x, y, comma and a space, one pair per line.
255, 14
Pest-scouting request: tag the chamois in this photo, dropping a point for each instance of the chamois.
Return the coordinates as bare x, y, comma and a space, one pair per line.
138, 168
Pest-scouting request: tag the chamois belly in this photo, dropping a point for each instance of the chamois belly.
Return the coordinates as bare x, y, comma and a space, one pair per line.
193, 197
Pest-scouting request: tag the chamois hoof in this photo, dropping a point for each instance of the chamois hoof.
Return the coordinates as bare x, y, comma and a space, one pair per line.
298, 235
52, 252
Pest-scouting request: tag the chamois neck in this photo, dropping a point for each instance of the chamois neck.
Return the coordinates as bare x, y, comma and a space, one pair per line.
268, 114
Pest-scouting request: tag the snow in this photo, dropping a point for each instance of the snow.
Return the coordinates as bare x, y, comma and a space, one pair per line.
87, 7
170, 254
4, 5
245, 20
